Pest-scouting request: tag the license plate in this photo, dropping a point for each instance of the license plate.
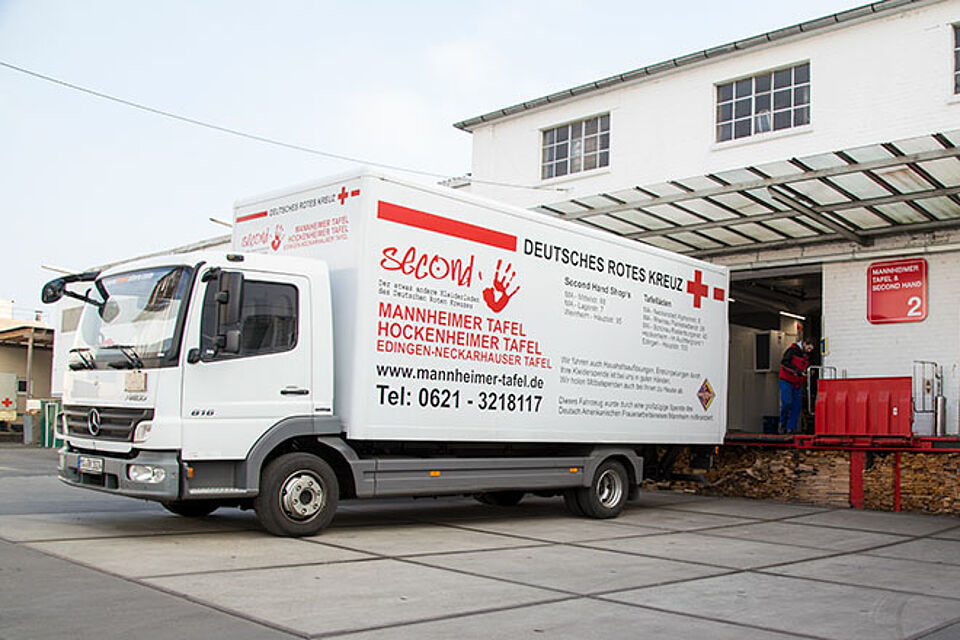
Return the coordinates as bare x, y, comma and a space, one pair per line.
90, 465
135, 382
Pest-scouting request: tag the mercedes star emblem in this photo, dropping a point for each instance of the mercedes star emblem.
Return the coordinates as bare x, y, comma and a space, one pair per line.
93, 422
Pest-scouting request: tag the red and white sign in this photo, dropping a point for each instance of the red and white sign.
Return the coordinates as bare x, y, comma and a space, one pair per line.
315, 222
897, 291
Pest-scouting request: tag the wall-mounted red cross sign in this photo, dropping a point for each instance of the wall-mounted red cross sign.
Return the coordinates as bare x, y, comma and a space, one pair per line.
6, 403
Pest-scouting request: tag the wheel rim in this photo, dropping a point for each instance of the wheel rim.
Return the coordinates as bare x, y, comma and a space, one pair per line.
302, 496
609, 488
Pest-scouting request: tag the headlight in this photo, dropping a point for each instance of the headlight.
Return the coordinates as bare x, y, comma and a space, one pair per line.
142, 431
145, 473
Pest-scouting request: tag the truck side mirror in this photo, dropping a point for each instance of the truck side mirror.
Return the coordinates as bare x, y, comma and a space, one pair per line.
229, 298
231, 341
53, 291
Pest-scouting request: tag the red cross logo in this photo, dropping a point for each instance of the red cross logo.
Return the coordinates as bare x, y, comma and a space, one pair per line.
697, 289
344, 194
6, 403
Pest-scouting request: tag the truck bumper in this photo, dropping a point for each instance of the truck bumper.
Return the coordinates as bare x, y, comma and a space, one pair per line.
112, 474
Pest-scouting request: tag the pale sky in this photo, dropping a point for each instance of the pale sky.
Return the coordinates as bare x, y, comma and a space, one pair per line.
84, 181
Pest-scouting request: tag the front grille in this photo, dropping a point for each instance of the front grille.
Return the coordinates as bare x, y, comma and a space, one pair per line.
116, 423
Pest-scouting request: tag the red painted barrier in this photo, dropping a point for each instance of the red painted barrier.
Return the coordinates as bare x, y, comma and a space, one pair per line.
864, 407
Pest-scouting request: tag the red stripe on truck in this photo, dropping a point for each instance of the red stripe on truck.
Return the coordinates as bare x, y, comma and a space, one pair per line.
252, 216
446, 226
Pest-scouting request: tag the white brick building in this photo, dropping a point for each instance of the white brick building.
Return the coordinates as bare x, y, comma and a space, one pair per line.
798, 158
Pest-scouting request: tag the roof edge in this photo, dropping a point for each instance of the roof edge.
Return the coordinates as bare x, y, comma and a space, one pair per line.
871, 10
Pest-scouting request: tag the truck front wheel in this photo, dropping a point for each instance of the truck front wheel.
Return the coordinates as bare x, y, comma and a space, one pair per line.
571, 498
607, 494
298, 495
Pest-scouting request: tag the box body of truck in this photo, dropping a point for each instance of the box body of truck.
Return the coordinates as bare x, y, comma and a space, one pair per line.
462, 319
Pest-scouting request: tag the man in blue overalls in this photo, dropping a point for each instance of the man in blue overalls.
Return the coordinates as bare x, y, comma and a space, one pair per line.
793, 368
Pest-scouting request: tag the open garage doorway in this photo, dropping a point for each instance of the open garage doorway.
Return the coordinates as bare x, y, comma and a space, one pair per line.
769, 310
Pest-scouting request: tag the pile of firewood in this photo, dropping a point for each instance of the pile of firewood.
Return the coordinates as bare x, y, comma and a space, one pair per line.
787, 475
878, 491
823, 477
929, 482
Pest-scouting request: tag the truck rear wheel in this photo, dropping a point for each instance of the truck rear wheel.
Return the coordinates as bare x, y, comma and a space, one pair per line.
192, 508
298, 495
607, 494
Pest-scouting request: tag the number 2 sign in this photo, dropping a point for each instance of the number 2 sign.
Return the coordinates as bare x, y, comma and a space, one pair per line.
897, 291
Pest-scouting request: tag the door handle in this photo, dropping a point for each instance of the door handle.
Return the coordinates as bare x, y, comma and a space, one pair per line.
293, 391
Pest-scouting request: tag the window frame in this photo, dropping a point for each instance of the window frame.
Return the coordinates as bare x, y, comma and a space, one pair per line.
956, 59
592, 147
764, 103
209, 315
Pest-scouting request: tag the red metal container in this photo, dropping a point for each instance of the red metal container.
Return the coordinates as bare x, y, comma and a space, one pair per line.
864, 407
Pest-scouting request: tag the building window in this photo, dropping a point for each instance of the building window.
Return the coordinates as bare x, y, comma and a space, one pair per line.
956, 58
770, 101
575, 147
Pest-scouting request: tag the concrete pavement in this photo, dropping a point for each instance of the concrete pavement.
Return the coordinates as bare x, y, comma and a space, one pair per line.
80, 564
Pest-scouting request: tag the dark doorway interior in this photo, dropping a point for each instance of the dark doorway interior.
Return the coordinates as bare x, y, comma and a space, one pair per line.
769, 310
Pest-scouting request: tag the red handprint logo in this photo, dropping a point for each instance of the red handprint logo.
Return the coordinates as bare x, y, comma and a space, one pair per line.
497, 296
277, 237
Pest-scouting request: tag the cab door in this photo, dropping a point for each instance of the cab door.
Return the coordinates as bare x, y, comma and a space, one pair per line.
232, 395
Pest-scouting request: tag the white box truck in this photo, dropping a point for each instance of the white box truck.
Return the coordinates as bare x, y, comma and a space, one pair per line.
372, 337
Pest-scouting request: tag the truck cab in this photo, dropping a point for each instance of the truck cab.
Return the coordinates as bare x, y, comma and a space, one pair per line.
179, 370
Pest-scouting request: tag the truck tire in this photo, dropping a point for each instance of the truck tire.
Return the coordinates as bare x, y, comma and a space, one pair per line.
192, 508
500, 498
571, 500
607, 494
298, 495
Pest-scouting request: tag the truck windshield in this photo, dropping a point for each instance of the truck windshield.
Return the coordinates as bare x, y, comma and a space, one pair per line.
138, 323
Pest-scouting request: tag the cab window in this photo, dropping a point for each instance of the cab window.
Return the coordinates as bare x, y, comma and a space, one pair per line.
268, 320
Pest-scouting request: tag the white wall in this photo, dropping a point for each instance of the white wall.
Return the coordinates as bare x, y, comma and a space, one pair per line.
872, 81
863, 349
